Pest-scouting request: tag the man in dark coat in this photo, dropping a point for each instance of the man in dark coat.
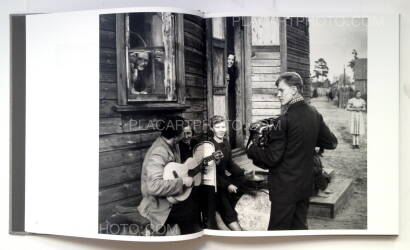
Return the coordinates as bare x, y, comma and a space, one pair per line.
289, 155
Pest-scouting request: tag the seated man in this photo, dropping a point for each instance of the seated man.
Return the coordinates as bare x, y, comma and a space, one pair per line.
188, 143
190, 210
161, 213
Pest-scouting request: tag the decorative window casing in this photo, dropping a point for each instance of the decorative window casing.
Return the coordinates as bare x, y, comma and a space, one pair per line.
150, 59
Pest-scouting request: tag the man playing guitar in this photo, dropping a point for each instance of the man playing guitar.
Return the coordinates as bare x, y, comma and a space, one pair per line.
161, 213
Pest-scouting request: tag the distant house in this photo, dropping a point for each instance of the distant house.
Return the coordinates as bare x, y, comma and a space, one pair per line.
326, 83
359, 68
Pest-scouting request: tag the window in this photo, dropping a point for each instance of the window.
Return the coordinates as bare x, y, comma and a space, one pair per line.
148, 51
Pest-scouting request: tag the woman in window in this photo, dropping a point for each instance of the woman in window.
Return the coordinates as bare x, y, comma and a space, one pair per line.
139, 62
356, 106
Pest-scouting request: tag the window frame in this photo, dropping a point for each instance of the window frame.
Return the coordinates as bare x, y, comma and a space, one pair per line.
174, 99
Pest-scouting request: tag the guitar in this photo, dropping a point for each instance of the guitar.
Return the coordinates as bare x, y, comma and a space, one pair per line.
192, 168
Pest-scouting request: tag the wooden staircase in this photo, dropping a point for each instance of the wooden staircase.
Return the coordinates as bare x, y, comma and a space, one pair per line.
329, 202
326, 203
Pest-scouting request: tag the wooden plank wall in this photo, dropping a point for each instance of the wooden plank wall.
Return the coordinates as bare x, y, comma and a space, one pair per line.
265, 67
265, 31
298, 50
195, 69
124, 139
265, 71
362, 86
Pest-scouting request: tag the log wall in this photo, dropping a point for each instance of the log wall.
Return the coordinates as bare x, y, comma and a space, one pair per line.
298, 50
124, 139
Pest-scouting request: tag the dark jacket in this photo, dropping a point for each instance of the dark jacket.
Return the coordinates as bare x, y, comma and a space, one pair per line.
289, 156
186, 150
225, 164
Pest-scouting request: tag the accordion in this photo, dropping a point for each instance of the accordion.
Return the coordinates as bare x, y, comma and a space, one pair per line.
260, 131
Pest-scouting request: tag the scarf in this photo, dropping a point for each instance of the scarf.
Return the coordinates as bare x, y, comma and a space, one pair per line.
297, 99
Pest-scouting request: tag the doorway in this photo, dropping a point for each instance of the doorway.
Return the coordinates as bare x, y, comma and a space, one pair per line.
232, 73
226, 83
235, 81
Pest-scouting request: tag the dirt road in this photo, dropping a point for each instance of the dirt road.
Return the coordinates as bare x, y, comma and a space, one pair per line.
347, 163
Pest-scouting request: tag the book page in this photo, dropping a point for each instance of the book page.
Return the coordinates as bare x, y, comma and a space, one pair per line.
275, 67
86, 144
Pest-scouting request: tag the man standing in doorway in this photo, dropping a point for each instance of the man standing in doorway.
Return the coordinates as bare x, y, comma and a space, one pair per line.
289, 156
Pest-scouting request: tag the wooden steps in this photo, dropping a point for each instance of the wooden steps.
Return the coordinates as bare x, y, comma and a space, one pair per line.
244, 162
329, 202
330, 172
237, 152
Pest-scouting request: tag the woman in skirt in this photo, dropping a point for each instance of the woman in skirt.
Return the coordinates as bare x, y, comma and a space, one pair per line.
356, 106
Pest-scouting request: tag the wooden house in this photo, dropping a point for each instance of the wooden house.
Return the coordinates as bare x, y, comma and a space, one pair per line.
192, 53
359, 67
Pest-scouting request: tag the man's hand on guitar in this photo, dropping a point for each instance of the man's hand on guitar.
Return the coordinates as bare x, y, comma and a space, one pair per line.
187, 181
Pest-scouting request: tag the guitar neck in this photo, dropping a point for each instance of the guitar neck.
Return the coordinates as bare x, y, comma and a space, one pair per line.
198, 168
209, 158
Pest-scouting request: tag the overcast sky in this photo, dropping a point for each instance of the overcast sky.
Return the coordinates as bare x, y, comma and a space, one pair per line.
334, 40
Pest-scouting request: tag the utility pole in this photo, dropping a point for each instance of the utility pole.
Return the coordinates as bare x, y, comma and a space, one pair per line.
344, 75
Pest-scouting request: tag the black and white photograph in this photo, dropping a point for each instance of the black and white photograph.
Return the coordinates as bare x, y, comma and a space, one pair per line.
255, 123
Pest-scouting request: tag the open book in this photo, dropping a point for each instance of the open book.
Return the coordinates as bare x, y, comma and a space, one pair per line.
162, 124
